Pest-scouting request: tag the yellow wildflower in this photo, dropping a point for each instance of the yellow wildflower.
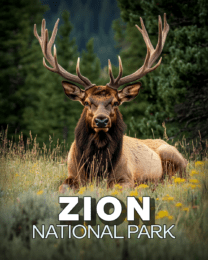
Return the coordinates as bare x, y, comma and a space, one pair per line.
16, 175
193, 172
144, 186
171, 198
165, 198
170, 217
185, 209
193, 181
118, 186
114, 193
178, 205
40, 192
162, 214
82, 190
199, 164
133, 193
193, 186
179, 180
157, 198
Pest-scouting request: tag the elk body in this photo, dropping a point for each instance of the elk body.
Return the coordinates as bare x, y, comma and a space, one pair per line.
100, 148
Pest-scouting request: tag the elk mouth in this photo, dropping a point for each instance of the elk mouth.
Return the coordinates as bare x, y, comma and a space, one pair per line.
98, 129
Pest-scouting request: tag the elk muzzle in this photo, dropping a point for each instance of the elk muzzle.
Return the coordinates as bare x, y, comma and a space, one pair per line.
101, 122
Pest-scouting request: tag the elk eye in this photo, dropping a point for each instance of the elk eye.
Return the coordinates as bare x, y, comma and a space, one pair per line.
86, 104
116, 104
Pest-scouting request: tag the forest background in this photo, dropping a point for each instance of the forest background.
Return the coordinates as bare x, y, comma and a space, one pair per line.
174, 97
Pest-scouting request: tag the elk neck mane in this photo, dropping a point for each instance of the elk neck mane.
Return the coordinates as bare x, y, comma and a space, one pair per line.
99, 152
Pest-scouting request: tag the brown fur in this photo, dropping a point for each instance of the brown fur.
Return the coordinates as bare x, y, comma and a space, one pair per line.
111, 154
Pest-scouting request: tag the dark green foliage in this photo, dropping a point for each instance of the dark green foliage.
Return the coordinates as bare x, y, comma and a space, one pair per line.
17, 19
35, 100
177, 91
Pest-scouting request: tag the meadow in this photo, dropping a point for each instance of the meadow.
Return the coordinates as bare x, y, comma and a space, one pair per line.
29, 181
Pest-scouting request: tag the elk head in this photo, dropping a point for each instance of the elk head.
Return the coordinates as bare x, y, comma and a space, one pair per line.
101, 102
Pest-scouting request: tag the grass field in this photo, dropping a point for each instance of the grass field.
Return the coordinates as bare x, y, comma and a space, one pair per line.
29, 182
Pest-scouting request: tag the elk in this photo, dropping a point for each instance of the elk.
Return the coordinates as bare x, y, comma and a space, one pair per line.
100, 148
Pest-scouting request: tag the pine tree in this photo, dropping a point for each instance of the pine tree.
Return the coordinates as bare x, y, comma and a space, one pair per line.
17, 19
179, 86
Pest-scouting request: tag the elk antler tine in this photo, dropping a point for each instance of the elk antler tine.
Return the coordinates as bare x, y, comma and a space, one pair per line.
45, 42
87, 83
120, 70
120, 65
36, 34
151, 56
46, 36
157, 65
159, 43
77, 67
110, 72
35, 31
145, 34
146, 59
47, 67
166, 26
54, 32
43, 28
46, 45
55, 57
165, 29
138, 28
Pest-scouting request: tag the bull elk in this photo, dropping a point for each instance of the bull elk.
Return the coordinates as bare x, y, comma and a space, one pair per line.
100, 149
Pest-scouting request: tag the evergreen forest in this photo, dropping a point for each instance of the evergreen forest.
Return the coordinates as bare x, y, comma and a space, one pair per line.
173, 101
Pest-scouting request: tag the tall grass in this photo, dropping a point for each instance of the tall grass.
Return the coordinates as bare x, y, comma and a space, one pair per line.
29, 181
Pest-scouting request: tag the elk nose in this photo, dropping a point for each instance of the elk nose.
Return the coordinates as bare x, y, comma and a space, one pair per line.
101, 122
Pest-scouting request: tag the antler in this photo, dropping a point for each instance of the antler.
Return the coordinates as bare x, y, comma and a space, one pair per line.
151, 56
52, 60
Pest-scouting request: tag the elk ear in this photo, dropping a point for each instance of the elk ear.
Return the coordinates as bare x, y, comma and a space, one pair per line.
73, 92
129, 92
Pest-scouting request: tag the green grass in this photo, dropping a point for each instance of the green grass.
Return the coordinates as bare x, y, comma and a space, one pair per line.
29, 181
